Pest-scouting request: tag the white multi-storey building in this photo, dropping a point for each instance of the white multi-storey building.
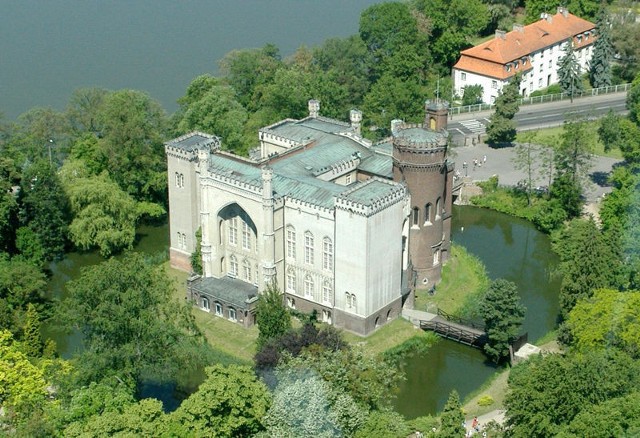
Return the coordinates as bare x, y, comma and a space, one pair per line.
344, 227
533, 50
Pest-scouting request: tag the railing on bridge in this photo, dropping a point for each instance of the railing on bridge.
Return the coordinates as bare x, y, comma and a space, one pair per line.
456, 333
455, 110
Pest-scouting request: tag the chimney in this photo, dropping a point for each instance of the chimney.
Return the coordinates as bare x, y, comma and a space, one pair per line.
563, 11
314, 108
356, 117
501, 34
518, 27
546, 16
396, 124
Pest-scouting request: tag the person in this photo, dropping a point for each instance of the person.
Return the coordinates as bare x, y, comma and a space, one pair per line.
475, 425
484, 158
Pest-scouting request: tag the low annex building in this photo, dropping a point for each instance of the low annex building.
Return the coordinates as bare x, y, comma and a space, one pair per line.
343, 226
533, 50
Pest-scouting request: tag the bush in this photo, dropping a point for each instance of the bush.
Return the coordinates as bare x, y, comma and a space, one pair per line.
485, 400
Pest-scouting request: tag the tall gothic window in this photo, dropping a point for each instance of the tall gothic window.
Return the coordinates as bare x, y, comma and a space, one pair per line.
233, 231
291, 242
246, 236
438, 208
291, 280
416, 216
246, 270
308, 248
427, 214
327, 254
233, 266
308, 286
326, 292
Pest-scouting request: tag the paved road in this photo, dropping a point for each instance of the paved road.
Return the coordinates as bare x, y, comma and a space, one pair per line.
541, 115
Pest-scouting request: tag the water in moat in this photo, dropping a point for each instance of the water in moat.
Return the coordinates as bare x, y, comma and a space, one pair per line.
510, 248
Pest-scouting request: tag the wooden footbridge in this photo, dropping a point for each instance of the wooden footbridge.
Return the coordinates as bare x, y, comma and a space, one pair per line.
448, 326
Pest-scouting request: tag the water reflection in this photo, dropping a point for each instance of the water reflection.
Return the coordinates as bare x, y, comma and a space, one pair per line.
510, 248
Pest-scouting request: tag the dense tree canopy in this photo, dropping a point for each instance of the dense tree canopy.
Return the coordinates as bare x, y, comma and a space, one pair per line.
129, 321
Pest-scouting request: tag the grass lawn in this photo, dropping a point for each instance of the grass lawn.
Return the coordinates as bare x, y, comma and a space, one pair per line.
228, 337
386, 337
463, 277
547, 136
496, 388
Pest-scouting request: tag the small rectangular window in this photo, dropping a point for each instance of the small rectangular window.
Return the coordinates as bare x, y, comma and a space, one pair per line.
494, 84
463, 76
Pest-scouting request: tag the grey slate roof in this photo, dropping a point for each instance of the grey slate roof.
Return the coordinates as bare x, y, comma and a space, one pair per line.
191, 141
236, 293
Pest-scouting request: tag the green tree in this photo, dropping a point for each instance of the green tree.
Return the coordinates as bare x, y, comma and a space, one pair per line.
105, 216
572, 163
22, 384
548, 392
302, 407
633, 101
452, 418
8, 205
130, 323
600, 65
384, 424
472, 94
231, 402
526, 161
248, 70
569, 72
44, 210
587, 262
272, 316
617, 417
21, 283
502, 314
131, 145
32, 339
217, 112
83, 110
607, 319
502, 128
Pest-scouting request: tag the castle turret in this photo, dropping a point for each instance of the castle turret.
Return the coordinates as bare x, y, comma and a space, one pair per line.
436, 113
355, 117
314, 108
268, 246
420, 161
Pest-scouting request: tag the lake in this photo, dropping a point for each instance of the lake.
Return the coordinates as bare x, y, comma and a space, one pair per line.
50, 48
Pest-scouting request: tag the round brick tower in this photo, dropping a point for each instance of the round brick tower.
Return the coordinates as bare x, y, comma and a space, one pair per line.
420, 161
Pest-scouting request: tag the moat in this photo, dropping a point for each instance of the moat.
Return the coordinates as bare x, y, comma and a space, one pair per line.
510, 248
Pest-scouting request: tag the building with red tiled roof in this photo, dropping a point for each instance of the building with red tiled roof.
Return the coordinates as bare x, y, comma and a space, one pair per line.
533, 50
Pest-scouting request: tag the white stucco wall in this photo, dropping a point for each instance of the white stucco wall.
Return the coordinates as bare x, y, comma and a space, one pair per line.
184, 212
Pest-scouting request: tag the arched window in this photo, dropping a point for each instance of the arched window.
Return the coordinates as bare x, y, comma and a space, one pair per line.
327, 254
427, 214
177, 179
246, 236
436, 257
353, 303
326, 292
308, 248
218, 309
308, 286
233, 266
347, 297
232, 314
233, 231
291, 242
416, 216
181, 180
246, 270
291, 280
438, 208
205, 304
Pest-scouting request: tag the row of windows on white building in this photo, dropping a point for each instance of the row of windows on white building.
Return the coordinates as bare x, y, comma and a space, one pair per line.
206, 306
309, 248
233, 233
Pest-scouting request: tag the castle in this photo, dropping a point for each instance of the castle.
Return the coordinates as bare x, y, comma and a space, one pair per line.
343, 226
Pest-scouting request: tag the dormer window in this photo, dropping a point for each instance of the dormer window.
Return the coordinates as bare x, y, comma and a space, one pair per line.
524, 61
517, 64
579, 39
508, 67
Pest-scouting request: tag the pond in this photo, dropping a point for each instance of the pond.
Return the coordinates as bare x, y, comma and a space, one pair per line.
512, 249
509, 247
